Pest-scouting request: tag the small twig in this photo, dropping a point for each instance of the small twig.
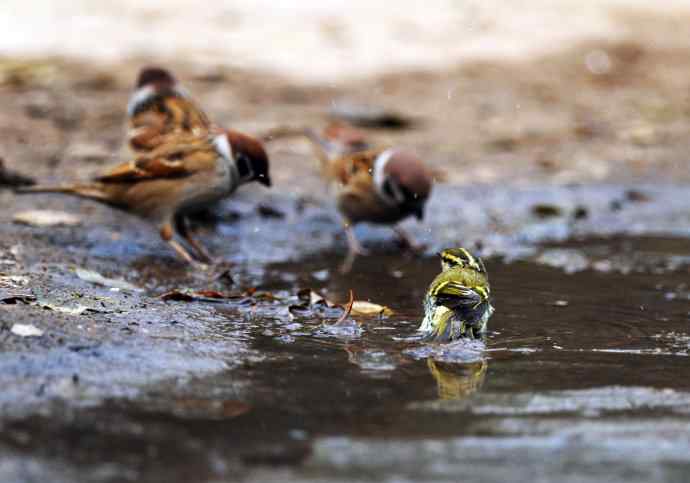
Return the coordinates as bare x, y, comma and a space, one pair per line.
348, 309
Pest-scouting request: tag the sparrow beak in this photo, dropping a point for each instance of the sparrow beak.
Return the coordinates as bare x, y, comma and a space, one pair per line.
265, 180
418, 212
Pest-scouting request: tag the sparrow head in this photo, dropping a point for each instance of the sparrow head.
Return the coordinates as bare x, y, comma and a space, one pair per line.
461, 257
250, 158
346, 137
152, 83
155, 76
402, 180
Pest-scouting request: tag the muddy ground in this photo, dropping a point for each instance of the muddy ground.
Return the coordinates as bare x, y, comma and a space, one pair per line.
569, 173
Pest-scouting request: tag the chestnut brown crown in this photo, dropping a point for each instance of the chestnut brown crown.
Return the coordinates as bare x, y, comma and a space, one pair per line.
407, 181
155, 76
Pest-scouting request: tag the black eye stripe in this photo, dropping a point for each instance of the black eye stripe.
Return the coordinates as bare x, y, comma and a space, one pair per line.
244, 166
388, 189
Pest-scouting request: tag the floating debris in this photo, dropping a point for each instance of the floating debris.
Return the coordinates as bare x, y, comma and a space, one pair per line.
348, 309
267, 211
98, 279
46, 218
14, 298
12, 178
77, 310
637, 196
544, 210
362, 307
198, 296
26, 330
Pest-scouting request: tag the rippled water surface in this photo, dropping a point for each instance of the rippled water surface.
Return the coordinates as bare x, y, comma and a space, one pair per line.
582, 375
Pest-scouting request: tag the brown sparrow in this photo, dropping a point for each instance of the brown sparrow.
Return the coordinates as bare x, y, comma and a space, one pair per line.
376, 185
177, 177
159, 110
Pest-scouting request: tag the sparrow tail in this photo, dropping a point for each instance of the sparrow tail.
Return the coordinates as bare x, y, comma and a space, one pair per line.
90, 191
322, 148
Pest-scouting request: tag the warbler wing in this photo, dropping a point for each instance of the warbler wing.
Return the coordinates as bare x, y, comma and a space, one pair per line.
453, 294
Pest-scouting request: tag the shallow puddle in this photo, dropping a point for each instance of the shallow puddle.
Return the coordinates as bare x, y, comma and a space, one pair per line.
588, 370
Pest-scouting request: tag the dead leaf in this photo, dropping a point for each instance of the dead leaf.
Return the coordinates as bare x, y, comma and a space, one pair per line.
544, 210
198, 296
26, 330
209, 408
312, 302
362, 307
267, 211
46, 218
13, 299
314, 298
225, 277
265, 296
98, 279
13, 281
12, 178
637, 196
78, 310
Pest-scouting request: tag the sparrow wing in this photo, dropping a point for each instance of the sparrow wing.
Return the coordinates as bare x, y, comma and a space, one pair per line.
182, 158
159, 112
357, 165
344, 138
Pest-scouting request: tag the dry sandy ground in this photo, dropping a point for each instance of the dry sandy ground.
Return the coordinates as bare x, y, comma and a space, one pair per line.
538, 91
327, 40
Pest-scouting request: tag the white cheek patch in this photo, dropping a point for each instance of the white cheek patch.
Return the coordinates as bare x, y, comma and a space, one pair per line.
227, 166
380, 174
223, 147
144, 94
140, 96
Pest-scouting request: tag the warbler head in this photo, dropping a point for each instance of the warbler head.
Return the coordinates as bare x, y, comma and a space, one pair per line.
401, 179
461, 257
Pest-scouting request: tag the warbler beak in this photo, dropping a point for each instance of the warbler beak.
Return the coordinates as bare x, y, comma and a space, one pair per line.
265, 180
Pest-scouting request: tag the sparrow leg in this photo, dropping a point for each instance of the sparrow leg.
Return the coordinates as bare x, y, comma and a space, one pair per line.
353, 244
408, 242
183, 229
354, 248
167, 233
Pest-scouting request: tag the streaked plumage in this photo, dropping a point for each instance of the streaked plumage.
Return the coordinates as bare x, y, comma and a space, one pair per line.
182, 163
160, 110
381, 185
457, 303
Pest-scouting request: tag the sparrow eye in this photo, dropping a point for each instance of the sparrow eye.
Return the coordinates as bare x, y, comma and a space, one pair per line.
388, 189
244, 167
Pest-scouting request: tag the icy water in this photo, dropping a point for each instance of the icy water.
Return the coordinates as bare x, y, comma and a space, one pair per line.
583, 376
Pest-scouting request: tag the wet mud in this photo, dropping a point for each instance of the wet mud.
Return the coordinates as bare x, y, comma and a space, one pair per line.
582, 375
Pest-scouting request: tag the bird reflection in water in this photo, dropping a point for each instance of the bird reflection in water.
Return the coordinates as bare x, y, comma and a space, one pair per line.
457, 381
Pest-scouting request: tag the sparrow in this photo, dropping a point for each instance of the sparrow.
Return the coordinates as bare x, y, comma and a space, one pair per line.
178, 177
159, 110
382, 185
457, 303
